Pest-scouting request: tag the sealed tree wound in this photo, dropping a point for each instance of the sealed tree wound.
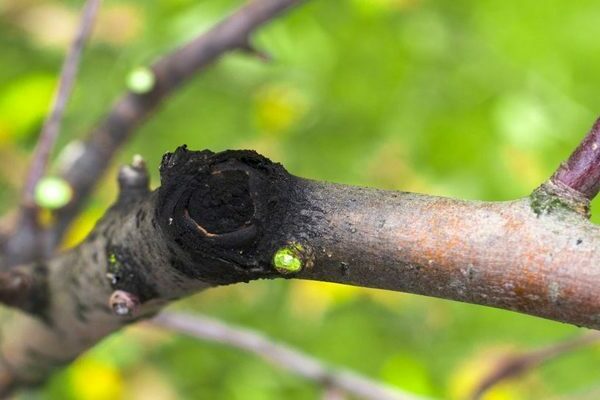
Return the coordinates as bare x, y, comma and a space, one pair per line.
222, 213
222, 204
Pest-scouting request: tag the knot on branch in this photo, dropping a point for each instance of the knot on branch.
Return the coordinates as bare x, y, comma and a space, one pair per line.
222, 212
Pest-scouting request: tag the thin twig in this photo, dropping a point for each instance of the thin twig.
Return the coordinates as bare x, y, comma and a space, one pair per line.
282, 355
333, 393
51, 127
515, 365
27, 241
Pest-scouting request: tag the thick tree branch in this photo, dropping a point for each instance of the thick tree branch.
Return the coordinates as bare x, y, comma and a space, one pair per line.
281, 355
235, 216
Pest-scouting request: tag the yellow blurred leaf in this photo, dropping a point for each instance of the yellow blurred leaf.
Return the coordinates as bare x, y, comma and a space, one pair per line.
119, 24
278, 108
49, 24
81, 227
5, 134
92, 379
313, 298
54, 24
149, 384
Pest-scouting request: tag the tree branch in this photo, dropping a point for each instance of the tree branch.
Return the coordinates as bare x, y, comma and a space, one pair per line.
222, 218
581, 172
51, 127
94, 154
235, 216
515, 365
29, 231
281, 355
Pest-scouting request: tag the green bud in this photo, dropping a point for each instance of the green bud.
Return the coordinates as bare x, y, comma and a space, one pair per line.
288, 259
53, 193
141, 80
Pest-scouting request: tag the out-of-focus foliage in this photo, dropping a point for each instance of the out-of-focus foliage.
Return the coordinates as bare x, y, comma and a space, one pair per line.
464, 98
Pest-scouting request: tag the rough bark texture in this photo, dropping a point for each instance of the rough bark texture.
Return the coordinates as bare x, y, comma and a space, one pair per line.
221, 218
503, 254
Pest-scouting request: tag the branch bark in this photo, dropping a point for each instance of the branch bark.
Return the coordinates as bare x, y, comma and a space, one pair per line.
222, 218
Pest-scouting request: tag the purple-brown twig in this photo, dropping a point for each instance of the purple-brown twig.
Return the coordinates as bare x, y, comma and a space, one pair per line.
581, 172
515, 365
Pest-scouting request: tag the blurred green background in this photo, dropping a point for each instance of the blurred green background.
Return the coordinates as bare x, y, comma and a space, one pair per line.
465, 98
